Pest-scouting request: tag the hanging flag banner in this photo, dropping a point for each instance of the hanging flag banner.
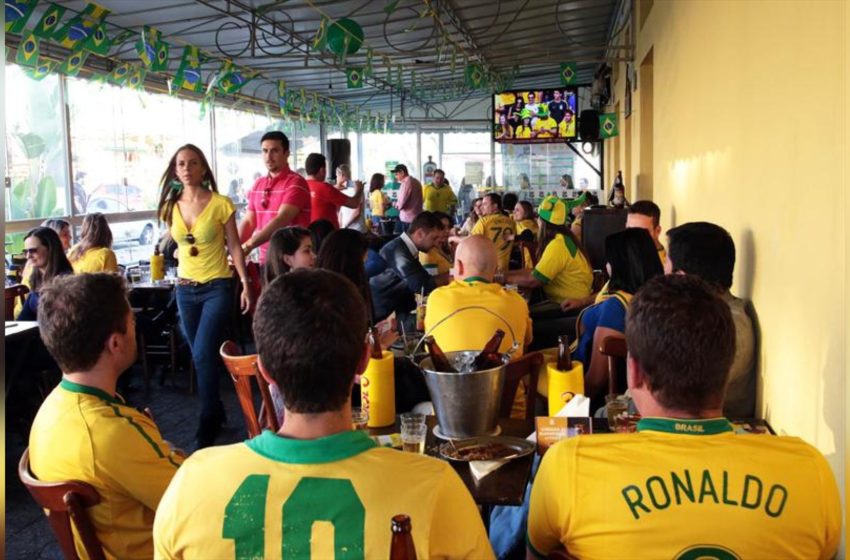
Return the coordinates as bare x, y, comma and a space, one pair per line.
71, 66
42, 69
18, 13
320, 39
146, 45
354, 78
28, 50
281, 96
136, 79
474, 76
119, 74
160, 63
49, 21
78, 29
189, 73
569, 73
368, 70
608, 125
98, 42
235, 79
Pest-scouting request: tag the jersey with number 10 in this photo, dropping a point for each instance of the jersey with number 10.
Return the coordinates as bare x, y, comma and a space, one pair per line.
333, 497
501, 230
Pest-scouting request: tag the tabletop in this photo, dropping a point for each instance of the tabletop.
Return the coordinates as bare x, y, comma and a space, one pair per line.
17, 329
503, 487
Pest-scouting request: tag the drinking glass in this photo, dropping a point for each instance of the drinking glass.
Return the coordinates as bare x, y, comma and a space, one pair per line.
413, 437
615, 406
145, 273
411, 418
359, 418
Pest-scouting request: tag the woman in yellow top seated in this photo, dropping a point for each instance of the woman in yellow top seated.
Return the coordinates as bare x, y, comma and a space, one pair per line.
94, 251
203, 224
523, 215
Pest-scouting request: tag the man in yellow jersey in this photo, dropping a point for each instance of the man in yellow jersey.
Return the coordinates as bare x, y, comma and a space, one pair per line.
439, 196
567, 127
475, 263
316, 488
496, 227
647, 215
685, 486
84, 430
545, 126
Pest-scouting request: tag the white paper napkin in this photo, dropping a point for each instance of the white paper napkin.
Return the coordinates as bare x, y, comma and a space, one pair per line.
480, 469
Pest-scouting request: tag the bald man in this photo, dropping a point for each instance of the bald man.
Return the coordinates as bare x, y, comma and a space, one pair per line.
470, 329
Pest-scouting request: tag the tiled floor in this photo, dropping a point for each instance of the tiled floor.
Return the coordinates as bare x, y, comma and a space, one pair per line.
28, 535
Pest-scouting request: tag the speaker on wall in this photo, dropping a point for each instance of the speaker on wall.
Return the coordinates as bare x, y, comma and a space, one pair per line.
339, 153
588, 125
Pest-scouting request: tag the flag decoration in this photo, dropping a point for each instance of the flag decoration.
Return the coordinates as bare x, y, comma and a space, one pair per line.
354, 78
569, 73
136, 78
235, 79
17, 14
608, 125
42, 69
98, 42
119, 74
474, 76
49, 21
160, 63
146, 45
28, 50
81, 26
71, 66
320, 39
281, 96
189, 73
368, 70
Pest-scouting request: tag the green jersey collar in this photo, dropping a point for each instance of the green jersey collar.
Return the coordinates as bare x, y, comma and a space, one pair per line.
85, 389
704, 427
311, 451
472, 279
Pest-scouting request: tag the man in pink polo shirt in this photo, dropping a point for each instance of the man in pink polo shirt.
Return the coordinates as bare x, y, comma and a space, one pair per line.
282, 198
409, 201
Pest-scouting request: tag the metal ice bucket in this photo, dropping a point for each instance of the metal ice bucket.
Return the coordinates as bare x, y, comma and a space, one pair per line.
466, 404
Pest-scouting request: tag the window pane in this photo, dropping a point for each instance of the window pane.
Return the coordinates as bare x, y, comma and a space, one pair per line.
379, 150
430, 142
36, 162
466, 142
538, 169
122, 141
307, 141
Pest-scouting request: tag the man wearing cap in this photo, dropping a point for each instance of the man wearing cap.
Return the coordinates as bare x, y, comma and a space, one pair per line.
545, 126
409, 201
686, 485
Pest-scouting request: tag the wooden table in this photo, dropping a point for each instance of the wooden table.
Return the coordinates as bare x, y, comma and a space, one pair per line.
503, 487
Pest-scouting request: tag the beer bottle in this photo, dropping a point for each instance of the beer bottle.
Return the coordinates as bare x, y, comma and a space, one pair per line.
375, 344
565, 362
438, 358
489, 356
402, 547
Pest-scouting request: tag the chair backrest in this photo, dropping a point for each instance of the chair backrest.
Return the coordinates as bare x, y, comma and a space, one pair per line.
65, 502
614, 347
242, 369
527, 248
515, 371
12, 292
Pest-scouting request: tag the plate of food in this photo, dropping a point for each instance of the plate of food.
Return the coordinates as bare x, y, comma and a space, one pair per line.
486, 449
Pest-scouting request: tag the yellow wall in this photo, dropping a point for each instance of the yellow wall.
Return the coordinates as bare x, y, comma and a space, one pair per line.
749, 132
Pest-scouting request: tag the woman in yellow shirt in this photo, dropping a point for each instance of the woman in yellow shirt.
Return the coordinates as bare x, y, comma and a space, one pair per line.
523, 215
94, 251
203, 224
378, 201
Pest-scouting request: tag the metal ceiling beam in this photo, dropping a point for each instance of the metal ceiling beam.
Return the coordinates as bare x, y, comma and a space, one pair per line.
444, 7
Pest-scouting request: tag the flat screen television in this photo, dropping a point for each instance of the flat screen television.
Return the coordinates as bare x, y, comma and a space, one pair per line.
535, 116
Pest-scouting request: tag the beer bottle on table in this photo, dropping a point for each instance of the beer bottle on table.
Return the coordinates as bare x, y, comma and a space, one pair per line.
374, 344
489, 356
438, 358
565, 362
401, 546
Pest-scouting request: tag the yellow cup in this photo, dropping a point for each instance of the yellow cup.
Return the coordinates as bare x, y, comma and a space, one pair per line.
564, 385
377, 391
157, 267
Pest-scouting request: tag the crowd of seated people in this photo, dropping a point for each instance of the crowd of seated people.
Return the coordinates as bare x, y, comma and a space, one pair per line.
690, 366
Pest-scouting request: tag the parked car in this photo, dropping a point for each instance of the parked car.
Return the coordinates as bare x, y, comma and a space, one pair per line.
130, 195
142, 231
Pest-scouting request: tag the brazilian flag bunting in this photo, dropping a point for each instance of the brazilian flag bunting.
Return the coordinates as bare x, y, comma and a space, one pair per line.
608, 125
136, 78
354, 78
42, 69
119, 75
17, 14
28, 50
71, 66
281, 96
235, 79
80, 27
569, 73
474, 76
98, 42
189, 73
49, 21
146, 45
160, 64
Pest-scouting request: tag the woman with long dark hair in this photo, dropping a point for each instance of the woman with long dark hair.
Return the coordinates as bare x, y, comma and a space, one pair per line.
94, 251
631, 259
378, 201
344, 251
46, 260
290, 248
203, 224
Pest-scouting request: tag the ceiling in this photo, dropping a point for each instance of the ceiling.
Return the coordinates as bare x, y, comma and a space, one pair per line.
522, 42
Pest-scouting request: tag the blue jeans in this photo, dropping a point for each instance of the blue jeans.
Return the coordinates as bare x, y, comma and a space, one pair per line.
204, 314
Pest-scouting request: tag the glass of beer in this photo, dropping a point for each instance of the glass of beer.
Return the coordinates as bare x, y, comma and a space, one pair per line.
359, 418
615, 406
413, 437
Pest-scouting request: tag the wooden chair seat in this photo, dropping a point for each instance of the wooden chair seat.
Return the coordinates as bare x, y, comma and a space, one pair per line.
529, 365
615, 348
66, 503
242, 369
13, 292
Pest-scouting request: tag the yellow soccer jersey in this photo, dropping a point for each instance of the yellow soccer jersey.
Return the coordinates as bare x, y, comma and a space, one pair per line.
522, 132
437, 257
83, 433
565, 130
377, 200
563, 270
527, 224
501, 230
662, 254
331, 497
100, 259
458, 333
438, 199
543, 126
685, 489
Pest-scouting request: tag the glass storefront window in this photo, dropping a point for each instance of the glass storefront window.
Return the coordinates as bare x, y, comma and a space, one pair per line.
36, 161
307, 141
537, 170
430, 144
381, 149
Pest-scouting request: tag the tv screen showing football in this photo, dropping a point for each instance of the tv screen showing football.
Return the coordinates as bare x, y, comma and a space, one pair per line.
535, 116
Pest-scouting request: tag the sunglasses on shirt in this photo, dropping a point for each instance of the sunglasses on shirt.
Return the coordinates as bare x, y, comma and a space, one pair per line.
266, 194
190, 239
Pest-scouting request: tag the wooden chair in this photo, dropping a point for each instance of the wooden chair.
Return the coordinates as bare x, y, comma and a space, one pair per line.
529, 365
614, 347
13, 292
242, 369
66, 503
